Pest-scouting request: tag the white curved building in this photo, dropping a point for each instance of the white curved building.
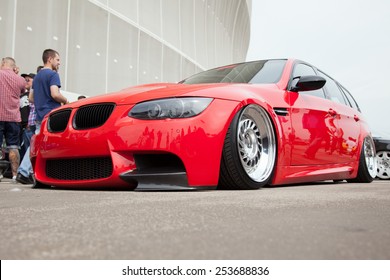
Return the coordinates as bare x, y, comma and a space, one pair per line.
107, 45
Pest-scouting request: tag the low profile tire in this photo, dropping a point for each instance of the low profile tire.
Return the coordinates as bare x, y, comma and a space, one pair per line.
367, 164
249, 151
383, 165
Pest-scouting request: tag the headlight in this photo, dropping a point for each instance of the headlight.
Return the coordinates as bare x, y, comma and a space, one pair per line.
170, 108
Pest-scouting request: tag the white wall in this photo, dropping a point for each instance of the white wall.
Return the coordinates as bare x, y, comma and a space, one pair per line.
107, 45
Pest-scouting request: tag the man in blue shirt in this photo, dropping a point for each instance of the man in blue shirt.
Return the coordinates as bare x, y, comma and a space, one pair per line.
46, 96
46, 85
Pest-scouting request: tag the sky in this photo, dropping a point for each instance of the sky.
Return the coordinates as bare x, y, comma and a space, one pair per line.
347, 39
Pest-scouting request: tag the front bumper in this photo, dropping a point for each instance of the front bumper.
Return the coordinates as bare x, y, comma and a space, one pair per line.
195, 145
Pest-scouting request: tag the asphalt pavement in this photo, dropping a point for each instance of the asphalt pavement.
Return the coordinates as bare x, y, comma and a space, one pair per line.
309, 221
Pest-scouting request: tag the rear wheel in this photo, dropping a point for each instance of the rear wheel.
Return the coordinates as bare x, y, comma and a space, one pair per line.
383, 161
367, 163
249, 151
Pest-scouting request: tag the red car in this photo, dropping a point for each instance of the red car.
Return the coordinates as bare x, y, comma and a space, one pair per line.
241, 126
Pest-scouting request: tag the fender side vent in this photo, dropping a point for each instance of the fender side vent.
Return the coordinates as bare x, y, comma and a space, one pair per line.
281, 111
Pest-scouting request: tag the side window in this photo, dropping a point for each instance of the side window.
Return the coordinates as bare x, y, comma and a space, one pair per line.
333, 90
305, 70
350, 98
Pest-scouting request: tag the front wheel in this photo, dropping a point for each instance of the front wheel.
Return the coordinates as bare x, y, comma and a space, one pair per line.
367, 163
249, 152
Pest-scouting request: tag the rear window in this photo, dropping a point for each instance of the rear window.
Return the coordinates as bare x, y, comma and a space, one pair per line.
256, 72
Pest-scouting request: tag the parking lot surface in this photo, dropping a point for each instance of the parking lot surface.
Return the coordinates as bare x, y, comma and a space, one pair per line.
309, 221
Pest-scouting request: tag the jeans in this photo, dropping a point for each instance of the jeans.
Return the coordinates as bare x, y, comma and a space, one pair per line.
25, 167
26, 137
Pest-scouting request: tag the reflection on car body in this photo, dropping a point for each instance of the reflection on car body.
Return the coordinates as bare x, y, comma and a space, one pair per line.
240, 126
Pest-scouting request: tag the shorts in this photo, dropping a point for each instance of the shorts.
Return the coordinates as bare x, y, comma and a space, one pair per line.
11, 131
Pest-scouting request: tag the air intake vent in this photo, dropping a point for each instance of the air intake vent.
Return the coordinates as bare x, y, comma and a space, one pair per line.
79, 169
58, 121
281, 111
92, 116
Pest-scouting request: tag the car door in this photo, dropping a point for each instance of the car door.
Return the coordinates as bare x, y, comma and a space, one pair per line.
345, 140
313, 123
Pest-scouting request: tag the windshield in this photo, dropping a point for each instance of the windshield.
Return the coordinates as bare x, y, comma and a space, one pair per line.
256, 72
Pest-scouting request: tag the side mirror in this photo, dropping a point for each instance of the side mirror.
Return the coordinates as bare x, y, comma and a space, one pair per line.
306, 83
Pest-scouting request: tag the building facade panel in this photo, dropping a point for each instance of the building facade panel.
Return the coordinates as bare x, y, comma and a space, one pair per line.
171, 65
34, 31
122, 61
107, 45
7, 11
87, 49
150, 16
150, 59
128, 8
187, 27
170, 11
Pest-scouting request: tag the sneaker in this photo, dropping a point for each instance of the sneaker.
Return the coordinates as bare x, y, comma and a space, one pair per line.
24, 180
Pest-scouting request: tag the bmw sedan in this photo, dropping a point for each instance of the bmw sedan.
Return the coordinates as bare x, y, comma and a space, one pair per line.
241, 126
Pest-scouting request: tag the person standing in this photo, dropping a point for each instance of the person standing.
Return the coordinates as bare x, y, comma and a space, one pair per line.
25, 110
45, 92
46, 96
24, 175
11, 86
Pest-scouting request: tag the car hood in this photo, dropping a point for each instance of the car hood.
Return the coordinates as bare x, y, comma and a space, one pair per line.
141, 93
